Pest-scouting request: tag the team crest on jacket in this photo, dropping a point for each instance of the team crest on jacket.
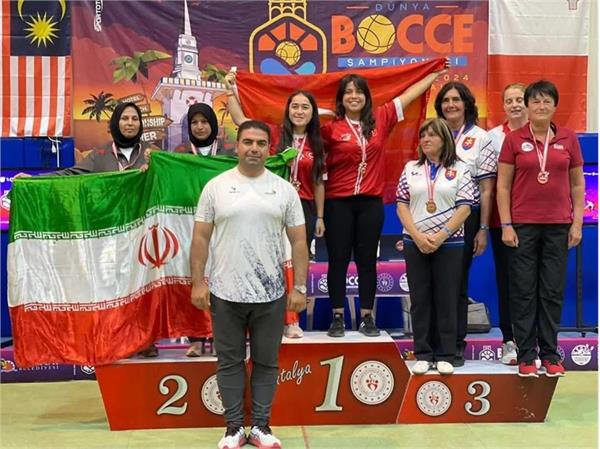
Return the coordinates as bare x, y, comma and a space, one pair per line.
468, 143
450, 174
346, 137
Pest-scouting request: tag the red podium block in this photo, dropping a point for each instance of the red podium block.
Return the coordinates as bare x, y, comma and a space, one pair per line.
350, 380
167, 392
478, 392
323, 380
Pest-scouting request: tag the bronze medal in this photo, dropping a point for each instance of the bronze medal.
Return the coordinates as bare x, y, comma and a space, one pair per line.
296, 185
431, 207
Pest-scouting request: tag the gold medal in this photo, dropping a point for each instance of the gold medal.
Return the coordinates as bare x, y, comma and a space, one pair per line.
296, 185
431, 207
542, 177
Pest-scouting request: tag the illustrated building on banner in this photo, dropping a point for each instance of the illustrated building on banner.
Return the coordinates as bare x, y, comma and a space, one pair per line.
184, 87
287, 43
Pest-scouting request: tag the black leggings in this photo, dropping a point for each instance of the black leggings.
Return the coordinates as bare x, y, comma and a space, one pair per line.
309, 209
353, 224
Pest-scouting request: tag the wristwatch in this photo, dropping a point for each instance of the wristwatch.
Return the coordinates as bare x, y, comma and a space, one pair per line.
300, 288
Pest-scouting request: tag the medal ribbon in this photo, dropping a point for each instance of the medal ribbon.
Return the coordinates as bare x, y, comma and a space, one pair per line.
213, 148
543, 156
430, 181
297, 159
362, 143
129, 165
460, 134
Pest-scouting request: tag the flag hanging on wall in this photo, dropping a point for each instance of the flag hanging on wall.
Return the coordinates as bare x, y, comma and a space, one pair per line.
540, 39
35, 78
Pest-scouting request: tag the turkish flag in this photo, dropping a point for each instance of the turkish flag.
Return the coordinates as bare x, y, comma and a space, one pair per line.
263, 97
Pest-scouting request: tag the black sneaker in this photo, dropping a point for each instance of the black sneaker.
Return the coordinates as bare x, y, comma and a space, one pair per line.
337, 326
367, 327
459, 360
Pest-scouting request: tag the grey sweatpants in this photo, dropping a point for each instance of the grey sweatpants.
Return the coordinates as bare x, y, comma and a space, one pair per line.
264, 322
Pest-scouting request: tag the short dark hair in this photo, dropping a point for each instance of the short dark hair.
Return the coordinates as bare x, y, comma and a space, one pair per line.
541, 87
253, 124
471, 112
441, 128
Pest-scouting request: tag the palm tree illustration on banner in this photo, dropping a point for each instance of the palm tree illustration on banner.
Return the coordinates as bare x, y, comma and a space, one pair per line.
212, 73
128, 68
103, 103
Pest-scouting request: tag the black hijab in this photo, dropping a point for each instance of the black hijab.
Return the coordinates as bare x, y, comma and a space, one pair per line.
117, 135
210, 116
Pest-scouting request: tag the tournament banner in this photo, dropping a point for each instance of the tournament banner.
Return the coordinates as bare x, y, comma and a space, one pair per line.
98, 265
166, 55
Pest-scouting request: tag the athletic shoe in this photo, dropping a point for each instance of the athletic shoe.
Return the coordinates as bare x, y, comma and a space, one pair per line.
196, 349
234, 438
421, 367
337, 326
150, 352
444, 367
528, 369
263, 438
553, 368
509, 353
293, 331
459, 360
367, 327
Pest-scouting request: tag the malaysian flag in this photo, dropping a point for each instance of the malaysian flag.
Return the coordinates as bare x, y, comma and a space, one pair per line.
35, 79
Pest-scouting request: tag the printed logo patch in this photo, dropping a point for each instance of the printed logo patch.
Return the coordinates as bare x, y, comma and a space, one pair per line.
527, 147
468, 143
450, 174
558, 146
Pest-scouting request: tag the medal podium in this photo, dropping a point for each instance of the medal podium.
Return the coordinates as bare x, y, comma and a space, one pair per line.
323, 380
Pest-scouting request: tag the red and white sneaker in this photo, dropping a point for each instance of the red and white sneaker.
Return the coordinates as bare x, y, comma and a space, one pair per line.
263, 438
234, 438
528, 369
553, 368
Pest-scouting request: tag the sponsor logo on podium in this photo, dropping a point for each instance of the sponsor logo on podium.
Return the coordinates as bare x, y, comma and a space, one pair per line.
434, 398
385, 282
211, 397
487, 353
404, 282
322, 284
87, 369
582, 354
372, 382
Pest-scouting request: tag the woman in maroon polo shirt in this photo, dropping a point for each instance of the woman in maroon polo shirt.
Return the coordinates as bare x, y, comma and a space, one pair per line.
540, 196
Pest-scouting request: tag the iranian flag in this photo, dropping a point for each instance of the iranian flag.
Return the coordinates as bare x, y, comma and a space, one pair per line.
98, 265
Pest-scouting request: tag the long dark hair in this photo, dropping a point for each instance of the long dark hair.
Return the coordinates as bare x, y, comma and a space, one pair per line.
441, 128
313, 132
471, 112
367, 121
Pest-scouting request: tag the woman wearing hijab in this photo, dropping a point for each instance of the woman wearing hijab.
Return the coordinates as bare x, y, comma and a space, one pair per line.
125, 152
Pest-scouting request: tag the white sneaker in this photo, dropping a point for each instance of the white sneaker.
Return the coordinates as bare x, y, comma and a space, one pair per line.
234, 438
293, 331
421, 367
444, 367
263, 438
509, 353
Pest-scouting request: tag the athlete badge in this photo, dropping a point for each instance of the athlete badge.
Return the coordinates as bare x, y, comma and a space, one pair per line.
468, 143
